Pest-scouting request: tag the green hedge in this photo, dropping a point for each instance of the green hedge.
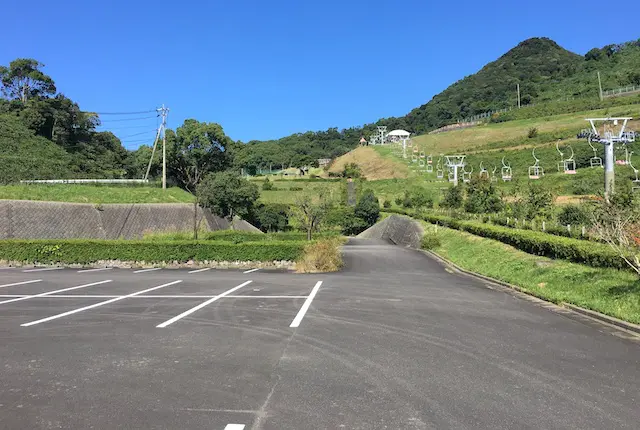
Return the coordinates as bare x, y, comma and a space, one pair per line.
534, 242
88, 251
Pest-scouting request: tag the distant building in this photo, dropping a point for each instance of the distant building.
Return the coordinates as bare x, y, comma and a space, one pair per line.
324, 162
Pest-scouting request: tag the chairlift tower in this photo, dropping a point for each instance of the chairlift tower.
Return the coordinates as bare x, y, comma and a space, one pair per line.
382, 134
455, 162
609, 137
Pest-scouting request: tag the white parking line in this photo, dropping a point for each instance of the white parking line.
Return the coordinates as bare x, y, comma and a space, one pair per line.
147, 270
21, 283
305, 306
251, 271
6, 268
200, 270
201, 305
143, 296
234, 427
42, 269
106, 302
94, 270
48, 293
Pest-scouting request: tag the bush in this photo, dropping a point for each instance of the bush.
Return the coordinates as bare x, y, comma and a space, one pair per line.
482, 197
267, 185
581, 187
295, 189
351, 170
368, 208
539, 202
430, 241
574, 215
399, 201
90, 251
418, 197
386, 204
453, 198
533, 132
323, 256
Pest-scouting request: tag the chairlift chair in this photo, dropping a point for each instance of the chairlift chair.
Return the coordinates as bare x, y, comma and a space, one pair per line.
484, 173
494, 178
466, 176
414, 158
507, 173
536, 171
422, 154
439, 169
594, 161
567, 166
421, 164
635, 182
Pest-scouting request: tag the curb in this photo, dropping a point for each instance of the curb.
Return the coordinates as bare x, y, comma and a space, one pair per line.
593, 315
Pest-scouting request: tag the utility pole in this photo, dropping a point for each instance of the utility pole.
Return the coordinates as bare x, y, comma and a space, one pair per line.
600, 85
518, 96
164, 112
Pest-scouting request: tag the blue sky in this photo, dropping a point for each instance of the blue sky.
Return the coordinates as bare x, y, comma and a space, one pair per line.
266, 69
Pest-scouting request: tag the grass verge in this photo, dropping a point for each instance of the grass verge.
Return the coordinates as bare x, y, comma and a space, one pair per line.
321, 256
94, 193
610, 291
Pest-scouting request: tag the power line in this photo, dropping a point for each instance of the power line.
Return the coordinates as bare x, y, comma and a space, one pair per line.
128, 127
129, 119
123, 113
138, 134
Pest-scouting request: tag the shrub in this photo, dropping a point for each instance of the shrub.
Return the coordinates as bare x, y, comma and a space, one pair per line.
453, 198
351, 170
267, 185
430, 241
419, 198
533, 132
573, 215
386, 204
399, 201
157, 251
539, 201
272, 217
322, 256
368, 208
295, 188
482, 197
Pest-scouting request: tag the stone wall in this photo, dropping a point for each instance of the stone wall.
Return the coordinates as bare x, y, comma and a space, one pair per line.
397, 229
23, 219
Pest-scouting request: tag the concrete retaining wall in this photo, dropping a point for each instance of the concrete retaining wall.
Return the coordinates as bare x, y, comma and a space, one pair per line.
22, 219
398, 229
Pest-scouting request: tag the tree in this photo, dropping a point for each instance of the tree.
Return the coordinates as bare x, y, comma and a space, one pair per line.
23, 80
368, 208
272, 217
196, 149
482, 197
311, 214
539, 202
453, 198
228, 194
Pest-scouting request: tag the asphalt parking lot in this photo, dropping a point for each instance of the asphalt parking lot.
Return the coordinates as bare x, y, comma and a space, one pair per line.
392, 342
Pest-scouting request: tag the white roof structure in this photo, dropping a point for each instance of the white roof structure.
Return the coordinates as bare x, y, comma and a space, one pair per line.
399, 133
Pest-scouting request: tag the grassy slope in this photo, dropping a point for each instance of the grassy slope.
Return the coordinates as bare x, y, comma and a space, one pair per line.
610, 291
94, 194
372, 164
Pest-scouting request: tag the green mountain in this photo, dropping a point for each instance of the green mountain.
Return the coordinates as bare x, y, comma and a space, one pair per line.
545, 71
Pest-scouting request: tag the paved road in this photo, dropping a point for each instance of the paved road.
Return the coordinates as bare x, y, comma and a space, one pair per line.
393, 342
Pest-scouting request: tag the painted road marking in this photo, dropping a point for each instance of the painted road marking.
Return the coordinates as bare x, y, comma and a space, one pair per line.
42, 269
94, 270
106, 302
147, 270
251, 271
305, 306
21, 283
201, 305
200, 270
234, 427
144, 296
54, 292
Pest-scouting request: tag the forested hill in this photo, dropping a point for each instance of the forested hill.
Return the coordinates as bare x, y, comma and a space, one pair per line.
545, 71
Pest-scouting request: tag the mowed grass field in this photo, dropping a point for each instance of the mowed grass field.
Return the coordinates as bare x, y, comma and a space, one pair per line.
94, 193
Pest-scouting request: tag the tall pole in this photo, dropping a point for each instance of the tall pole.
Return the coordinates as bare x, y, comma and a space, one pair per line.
609, 176
164, 111
600, 86
518, 96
